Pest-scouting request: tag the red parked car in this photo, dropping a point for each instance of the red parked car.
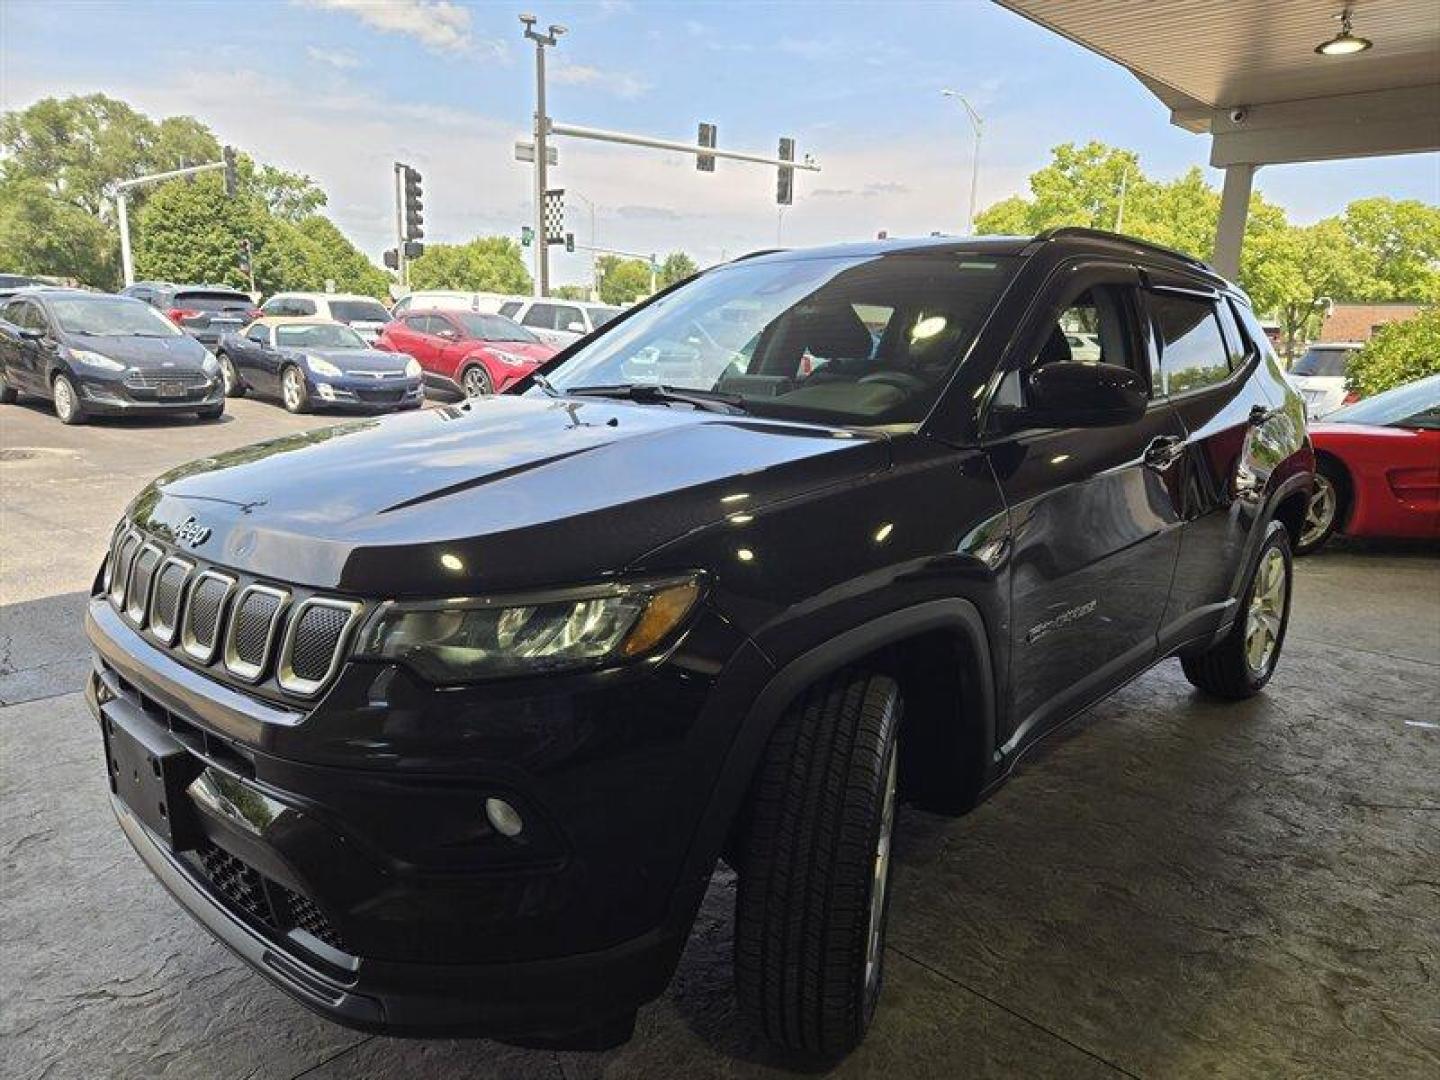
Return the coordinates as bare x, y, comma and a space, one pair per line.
466, 352
1377, 468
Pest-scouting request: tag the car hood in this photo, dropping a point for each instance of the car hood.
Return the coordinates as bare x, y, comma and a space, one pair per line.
537, 351
500, 493
361, 359
182, 352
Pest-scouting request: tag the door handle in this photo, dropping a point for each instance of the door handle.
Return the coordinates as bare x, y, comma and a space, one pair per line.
1163, 451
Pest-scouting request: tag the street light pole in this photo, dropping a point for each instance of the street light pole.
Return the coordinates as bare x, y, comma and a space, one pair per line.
127, 264
978, 123
542, 131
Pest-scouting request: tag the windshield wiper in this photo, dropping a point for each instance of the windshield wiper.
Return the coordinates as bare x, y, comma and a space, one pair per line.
658, 394
545, 385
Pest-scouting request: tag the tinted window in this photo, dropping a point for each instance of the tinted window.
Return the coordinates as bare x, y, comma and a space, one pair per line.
401, 306
1319, 360
259, 334
566, 316
212, 300
509, 308
492, 328
13, 312
358, 310
1192, 352
1093, 328
418, 323
760, 331
25, 315
1234, 339
541, 316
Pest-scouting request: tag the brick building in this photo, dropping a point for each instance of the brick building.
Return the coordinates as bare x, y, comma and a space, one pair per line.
1358, 322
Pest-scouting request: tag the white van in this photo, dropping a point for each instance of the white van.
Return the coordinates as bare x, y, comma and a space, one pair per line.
558, 322
449, 300
363, 314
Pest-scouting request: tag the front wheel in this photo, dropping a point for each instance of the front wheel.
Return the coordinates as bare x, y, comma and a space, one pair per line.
293, 392
476, 382
1324, 510
234, 388
814, 865
1241, 664
67, 401
8, 396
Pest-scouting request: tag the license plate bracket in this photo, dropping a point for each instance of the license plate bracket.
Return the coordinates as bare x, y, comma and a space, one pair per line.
149, 772
171, 388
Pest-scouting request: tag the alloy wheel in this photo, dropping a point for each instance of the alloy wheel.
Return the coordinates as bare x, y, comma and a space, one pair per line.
880, 877
1319, 512
227, 374
476, 383
294, 389
1266, 613
64, 399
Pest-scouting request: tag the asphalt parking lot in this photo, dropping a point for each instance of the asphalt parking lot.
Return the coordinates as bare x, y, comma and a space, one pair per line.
1170, 888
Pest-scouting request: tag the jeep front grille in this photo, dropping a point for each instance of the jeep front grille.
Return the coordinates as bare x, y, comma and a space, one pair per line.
248, 631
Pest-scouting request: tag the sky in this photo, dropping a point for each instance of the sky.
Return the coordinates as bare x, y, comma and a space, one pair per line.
341, 89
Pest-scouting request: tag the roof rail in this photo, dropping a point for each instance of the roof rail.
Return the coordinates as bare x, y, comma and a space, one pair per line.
1104, 234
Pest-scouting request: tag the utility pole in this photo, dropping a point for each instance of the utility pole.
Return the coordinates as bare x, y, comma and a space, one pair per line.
122, 216
978, 123
542, 131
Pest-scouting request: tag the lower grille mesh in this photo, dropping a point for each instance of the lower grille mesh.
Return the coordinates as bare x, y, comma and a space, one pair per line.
266, 902
304, 915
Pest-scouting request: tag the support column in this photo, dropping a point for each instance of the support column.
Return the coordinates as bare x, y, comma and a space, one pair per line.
1234, 209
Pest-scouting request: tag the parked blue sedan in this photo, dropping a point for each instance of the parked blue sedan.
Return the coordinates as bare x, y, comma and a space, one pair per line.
317, 363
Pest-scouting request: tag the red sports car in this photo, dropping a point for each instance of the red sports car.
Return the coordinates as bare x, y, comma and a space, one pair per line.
466, 352
1378, 467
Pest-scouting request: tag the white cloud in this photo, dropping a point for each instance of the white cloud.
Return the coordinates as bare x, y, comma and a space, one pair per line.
440, 25
620, 83
336, 58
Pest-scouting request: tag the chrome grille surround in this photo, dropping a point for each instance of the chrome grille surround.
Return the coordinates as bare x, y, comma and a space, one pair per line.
141, 577
285, 673
165, 616
252, 670
191, 642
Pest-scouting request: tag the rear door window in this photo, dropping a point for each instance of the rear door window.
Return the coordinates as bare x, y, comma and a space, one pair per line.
509, 308
1193, 355
1235, 342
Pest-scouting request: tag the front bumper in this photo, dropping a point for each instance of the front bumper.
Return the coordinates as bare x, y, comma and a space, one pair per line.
114, 397
370, 395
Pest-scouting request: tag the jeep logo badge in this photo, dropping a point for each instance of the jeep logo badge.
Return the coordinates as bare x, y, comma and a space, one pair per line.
191, 533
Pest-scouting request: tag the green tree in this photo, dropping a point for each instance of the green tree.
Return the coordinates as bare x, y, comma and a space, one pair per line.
676, 267
485, 264
43, 234
289, 196
623, 281
1401, 238
341, 261
570, 292
1398, 353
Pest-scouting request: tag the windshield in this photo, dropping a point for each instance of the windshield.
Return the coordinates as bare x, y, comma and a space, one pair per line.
493, 328
1414, 405
852, 339
358, 311
318, 336
1322, 361
104, 316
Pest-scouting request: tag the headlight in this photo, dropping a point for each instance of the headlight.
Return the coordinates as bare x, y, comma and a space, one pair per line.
509, 358
210, 365
95, 360
412, 368
320, 366
451, 641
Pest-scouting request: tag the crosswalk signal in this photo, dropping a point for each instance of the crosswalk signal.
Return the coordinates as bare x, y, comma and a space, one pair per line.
392, 261
706, 162
785, 180
232, 182
414, 204
570, 241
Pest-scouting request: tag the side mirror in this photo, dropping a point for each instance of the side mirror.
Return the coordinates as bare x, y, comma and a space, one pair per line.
576, 327
1080, 395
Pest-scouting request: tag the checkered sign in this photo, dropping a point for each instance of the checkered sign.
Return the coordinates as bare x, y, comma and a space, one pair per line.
555, 216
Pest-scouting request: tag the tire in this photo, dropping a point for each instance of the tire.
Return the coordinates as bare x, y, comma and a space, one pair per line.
814, 867
234, 388
294, 394
67, 401
211, 412
1326, 509
475, 382
8, 395
1231, 669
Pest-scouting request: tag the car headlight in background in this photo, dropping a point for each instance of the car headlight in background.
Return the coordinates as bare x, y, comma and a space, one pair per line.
320, 366
451, 641
412, 368
95, 360
509, 358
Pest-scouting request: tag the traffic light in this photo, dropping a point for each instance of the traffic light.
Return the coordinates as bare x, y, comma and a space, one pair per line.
245, 256
785, 180
706, 162
414, 249
570, 241
392, 261
414, 204
527, 236
232, 182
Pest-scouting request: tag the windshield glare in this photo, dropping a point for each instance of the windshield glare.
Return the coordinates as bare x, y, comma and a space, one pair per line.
857, 339
1318, 361
1414, 405
111, 317
318, 336
492, 327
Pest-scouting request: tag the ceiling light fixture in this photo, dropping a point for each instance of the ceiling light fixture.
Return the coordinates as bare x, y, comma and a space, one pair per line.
1344, 43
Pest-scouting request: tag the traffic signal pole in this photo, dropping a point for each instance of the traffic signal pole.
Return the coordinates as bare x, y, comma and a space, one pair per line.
122, 216
402, 267
542, 132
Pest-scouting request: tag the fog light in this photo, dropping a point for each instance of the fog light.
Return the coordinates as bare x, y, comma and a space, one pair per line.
327, 392
503, 817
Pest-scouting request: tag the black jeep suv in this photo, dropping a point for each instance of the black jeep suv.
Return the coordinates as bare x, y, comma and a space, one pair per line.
442, 721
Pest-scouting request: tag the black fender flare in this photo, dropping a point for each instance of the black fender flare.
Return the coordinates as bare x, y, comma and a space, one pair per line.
783, 687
